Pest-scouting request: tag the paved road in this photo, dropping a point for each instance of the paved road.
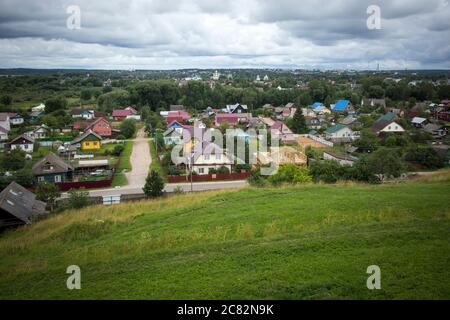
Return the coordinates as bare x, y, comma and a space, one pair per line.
198, 186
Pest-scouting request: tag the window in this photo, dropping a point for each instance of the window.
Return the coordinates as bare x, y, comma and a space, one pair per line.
58, 178
206, 157
88, 144
41, 179
201, 170
389, 127
218, 156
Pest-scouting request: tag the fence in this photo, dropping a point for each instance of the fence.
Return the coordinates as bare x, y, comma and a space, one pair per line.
320, 140
209, 177
65, 186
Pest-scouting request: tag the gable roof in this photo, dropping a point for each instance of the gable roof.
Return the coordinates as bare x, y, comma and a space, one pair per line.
341, 105
336, 128
121, 112
21, 203
418, 120
232, 107
317, 104
342, 156
387, 117
22, 136
59, 166
380, 125
92, 124
85, 135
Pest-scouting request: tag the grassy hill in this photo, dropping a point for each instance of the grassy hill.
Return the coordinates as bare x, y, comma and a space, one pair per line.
307, 242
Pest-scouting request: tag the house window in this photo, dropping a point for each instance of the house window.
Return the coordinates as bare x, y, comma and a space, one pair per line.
25, 146
218, 156
88, 144
389, 127
40, 179
201, 170
57, 178
206, 156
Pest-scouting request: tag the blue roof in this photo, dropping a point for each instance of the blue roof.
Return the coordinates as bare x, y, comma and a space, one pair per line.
341, 105
317, 104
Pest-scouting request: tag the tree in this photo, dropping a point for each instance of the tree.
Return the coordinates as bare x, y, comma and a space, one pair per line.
6, 100
128, 128
13, 160
154, 185
86, 95
385, 163
47, 192
78, 198
298, 122
54, 104
368, 141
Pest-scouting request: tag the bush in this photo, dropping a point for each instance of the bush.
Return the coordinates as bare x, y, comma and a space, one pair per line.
118, 149
212, 171
178, 190
154, 185
290, 173
47, 192
120, 137
425, 156
223, 170
78, 198
328, 171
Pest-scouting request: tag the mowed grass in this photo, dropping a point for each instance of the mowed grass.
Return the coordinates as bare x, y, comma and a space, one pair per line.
306, 242
155, 164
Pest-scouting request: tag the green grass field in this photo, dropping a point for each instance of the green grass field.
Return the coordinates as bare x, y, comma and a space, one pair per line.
155, 164
306, 242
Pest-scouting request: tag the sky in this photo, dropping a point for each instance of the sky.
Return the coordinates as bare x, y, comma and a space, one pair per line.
211, 34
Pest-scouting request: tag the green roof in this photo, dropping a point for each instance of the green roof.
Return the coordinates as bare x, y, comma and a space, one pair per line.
335, 128
387, 117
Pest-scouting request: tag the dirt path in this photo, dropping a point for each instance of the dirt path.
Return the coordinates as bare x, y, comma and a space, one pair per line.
140, 161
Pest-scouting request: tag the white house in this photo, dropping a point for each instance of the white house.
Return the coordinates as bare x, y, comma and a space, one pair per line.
22, 142
387, 127
340, 133
39, 108
4, 121
209, 156
39, 132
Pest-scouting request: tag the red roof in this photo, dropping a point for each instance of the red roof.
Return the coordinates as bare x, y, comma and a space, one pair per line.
182, 114
121, 113
228, 117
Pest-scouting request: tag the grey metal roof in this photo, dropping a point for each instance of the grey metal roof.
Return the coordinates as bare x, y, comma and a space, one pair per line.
21, 203
59, 166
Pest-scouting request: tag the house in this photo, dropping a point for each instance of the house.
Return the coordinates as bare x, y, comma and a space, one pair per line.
343, 106
127, 113
385, 127
101, 126
436, 130
15, 118
351, 121
179, 116
232, 118
88, 141
307, 112
340, 133
39, 132
208, 155
82, 113
18, 206
236, 108
23, 143
268, 107
321, 110
35, 115
52, 169
268, 122
281, 129
3, 136
39, 108
373, 102
289, 110
389, 116
313, 122
419, 122
282, 155
173, 136
177, 107
316, 105
343, 159
4, 121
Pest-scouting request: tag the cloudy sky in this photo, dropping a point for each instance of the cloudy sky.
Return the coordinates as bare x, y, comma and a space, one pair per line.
172, 34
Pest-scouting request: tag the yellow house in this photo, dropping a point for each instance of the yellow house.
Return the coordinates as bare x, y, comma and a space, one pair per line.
88, 141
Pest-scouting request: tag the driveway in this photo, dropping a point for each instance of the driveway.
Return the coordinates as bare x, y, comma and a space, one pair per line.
140, 162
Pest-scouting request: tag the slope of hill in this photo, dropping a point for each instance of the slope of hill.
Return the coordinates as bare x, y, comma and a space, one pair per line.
307, 242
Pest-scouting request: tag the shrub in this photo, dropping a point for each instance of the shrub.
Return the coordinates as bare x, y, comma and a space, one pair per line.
118, 150
47, 192
128, 128
212, 171
178, 190
290, 173
223, 170
78, 198
154, 185
120, 137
